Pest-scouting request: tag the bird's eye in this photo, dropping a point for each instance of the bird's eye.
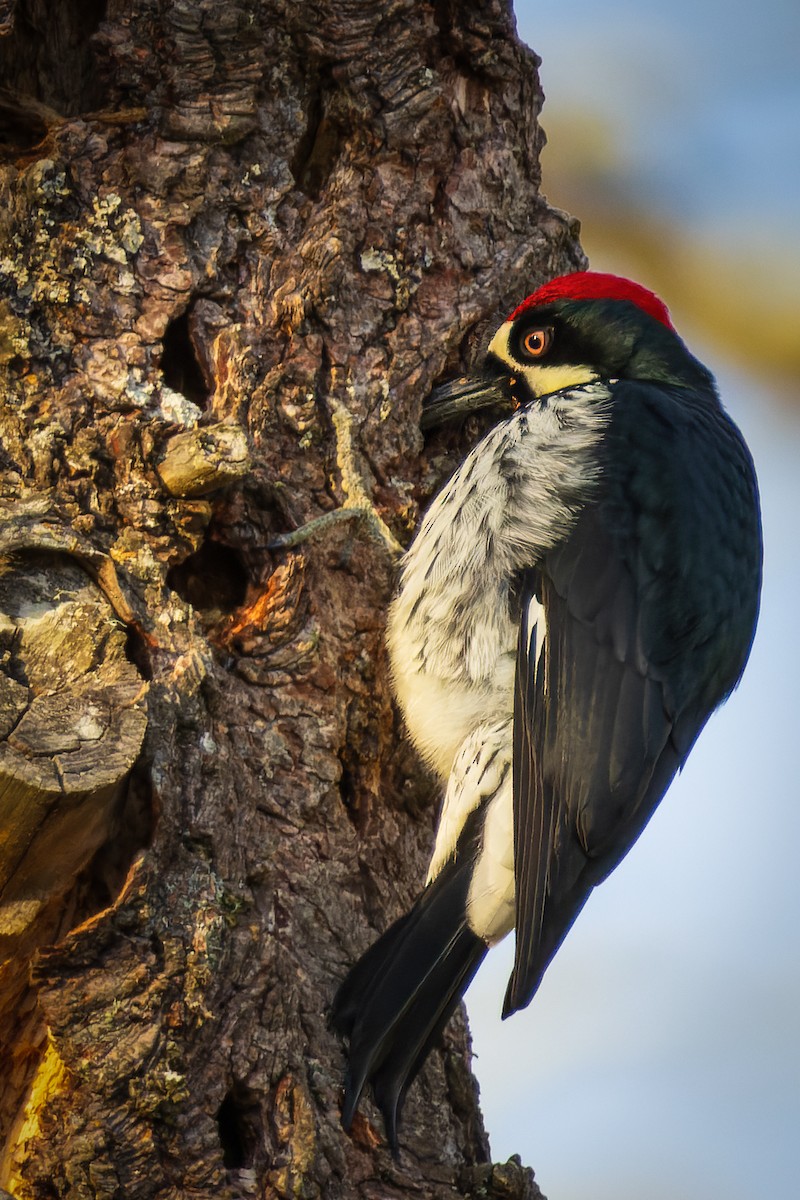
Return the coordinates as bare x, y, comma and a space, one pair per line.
537, 342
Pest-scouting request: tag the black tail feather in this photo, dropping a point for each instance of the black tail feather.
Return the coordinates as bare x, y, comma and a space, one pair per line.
415, 1033
400, 994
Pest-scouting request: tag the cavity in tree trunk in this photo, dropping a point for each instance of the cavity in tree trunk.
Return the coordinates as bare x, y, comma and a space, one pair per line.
239, 243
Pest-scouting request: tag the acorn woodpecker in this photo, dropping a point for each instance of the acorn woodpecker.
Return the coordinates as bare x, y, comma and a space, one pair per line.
580, 597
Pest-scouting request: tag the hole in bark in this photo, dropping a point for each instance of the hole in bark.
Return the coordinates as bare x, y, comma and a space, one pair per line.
46, 1191
22, 123
48, 57
213, 579
305, 145
132, 832
136, 652
239, 1122
317, 149
350, 798
179, 362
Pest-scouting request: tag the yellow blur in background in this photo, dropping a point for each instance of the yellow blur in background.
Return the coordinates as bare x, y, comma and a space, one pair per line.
741, 295
661, 1057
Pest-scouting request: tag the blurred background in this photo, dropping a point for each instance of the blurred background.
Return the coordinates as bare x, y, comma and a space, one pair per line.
660, 1060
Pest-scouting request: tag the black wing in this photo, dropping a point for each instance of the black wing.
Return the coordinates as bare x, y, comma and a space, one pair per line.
592, 753
649, 610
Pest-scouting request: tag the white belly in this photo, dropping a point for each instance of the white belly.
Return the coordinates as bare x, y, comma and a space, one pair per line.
441, 713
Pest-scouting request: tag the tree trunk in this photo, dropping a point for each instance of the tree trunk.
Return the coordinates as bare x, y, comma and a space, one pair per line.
239, 242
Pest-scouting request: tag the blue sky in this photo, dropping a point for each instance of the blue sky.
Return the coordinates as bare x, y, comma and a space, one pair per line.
661, 1058
705, 99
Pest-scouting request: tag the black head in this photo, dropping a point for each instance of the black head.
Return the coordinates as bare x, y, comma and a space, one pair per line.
589, 326
573, 330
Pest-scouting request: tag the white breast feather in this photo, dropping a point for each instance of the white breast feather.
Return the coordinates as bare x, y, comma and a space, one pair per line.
451, 637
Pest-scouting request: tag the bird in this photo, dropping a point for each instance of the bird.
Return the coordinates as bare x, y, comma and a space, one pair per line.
580, 596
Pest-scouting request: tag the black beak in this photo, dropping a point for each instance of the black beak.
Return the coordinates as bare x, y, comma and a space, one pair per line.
466, 395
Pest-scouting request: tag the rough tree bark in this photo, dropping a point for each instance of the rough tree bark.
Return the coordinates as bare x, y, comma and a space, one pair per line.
239, 243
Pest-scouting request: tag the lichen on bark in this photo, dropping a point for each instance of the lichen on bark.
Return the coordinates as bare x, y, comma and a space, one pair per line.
249, 228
